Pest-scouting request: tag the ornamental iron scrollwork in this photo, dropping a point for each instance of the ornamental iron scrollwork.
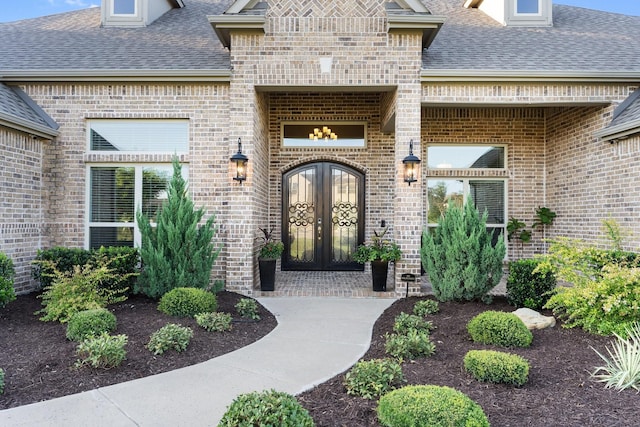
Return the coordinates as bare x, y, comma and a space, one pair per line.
345, 214
301, 214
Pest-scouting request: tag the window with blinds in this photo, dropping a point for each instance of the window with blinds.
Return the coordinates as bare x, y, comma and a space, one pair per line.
158, 136
116, 191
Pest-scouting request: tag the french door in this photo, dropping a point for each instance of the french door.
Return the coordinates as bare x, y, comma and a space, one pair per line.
322, 217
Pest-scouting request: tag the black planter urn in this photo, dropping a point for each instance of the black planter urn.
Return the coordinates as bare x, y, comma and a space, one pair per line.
267, 274
379, 270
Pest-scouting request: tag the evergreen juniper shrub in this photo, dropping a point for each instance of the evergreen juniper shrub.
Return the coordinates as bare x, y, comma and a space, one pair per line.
499, 328
187, 302
429, 406
266, 408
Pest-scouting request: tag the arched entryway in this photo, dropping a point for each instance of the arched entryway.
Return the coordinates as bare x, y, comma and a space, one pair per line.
322, 217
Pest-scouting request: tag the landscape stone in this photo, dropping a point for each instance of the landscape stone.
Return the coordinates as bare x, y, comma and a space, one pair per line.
534, 320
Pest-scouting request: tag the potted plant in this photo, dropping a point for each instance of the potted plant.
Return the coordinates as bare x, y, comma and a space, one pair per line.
270, 251
379, 253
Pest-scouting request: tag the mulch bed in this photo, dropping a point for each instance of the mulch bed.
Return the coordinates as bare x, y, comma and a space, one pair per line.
39, 361
560, 391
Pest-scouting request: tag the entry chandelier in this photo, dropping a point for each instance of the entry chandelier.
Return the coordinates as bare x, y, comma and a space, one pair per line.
323, 133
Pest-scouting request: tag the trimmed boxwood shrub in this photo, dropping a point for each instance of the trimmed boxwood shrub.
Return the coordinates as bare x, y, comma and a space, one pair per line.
187, 302
526, 288
266, 408
497, 367
499, 328
373, 378
429, 406
90, 322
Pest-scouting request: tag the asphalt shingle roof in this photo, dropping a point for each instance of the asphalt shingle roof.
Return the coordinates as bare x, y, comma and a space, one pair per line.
16, 106
181, 39
629, 112
580, 40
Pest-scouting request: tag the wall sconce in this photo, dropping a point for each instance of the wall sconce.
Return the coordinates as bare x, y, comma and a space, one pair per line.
241, 164
410, 166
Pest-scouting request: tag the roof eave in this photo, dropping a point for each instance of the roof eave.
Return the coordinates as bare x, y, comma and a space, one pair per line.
223, 24
27, 126
80, 75
427, 75
622, 131
428, 24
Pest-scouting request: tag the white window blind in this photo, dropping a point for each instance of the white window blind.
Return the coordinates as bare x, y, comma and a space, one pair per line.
158, 136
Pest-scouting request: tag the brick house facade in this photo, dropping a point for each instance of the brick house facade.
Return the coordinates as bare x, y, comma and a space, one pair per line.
251, 68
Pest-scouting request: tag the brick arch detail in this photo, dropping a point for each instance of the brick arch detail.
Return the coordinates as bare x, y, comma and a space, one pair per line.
323, 158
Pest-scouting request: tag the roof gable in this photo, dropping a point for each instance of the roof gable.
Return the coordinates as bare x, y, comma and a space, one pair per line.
19, 112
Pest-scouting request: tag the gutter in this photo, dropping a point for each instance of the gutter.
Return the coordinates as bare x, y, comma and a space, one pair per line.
622, 131
86, 75
427, 76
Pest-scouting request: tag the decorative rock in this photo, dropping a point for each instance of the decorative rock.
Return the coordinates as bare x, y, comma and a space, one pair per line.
534, 320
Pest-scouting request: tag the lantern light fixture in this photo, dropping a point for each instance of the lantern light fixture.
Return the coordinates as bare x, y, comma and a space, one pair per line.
411, 163
240, 161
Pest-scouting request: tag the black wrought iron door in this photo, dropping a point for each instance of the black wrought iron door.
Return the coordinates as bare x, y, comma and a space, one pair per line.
322, 217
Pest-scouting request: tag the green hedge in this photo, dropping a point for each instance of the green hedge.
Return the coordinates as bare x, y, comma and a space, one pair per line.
526, 288
124, 261
86, 323
187, 302
429, 406
499, 328
497, 367
7, 273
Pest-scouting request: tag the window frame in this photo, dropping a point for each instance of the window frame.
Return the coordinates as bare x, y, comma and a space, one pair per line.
138, 168
320, 144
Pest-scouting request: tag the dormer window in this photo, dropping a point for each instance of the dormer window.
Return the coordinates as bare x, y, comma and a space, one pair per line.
527, 7
124, 7
516, 13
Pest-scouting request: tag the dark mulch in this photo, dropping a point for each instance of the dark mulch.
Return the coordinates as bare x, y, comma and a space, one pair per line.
560, 391
38, 359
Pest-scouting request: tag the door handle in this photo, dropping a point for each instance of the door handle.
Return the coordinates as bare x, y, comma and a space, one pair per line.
319, 229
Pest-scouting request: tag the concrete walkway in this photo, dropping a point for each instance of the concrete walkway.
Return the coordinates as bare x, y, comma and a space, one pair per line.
316, 339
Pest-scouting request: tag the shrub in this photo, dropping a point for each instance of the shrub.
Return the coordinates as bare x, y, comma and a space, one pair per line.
527, 287
248, 308
497, 367
90, 322
214, 322
7, 273
177, 250
78, 291
122, 261
459, 256
499, 328
102, 351
64, 260
606, 305
1, 381
170, 336
429, 406
412, 345
373, 378
425, 307
187, 302
267, 408
622, 369
405, 322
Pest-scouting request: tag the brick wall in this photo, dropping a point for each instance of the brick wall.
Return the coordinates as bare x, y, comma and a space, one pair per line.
65, 160
21, 204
